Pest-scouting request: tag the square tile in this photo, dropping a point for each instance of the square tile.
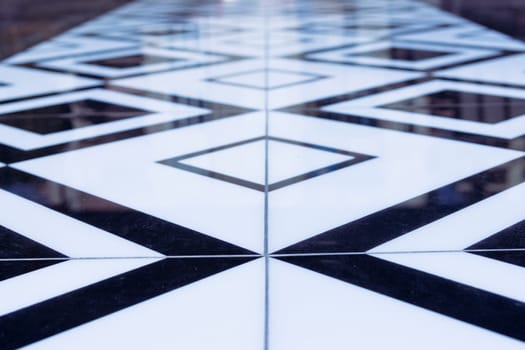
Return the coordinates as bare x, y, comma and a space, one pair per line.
404, 55
324, 203
133, 178
481, 109
195, 83
74, 116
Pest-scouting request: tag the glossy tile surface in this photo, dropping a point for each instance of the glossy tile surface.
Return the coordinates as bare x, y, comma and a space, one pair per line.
264, 175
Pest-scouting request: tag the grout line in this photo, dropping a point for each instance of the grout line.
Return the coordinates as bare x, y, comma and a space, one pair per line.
266, 344
136, 257
267, 256
401, 252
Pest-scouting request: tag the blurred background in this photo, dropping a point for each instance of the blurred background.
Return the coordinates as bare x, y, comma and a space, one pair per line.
24, 23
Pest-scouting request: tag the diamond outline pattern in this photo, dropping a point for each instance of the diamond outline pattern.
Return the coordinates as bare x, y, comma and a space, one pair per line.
25, 318
357, 158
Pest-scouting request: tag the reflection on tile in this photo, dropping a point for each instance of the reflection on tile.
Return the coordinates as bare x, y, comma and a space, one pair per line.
122, 63
408, 55
130, 61
59, 117
264, 175
72, 116
466, 107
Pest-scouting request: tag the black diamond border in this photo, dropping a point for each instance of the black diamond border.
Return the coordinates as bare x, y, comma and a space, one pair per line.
357, 158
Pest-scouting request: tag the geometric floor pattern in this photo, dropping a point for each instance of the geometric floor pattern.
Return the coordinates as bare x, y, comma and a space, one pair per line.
264, 175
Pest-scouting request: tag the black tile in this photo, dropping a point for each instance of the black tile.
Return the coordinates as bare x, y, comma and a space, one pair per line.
16, 246
133, 61
372, 26
398, 53
463, 105
13, 268
512, 237
68, 116
508, 256
161, 32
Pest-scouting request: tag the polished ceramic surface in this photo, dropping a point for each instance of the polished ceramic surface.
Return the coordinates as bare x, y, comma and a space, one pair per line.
264, 175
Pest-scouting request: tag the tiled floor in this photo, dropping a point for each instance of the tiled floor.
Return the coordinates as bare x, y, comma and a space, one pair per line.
264, 175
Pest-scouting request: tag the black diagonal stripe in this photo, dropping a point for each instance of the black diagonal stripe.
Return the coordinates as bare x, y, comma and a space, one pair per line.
459, 301
514, 257
69, 310
512, 237
15, 246
375, 229
13, 268
149, 231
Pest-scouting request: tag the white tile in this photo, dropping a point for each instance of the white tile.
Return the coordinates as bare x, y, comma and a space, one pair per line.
26, 82
224, 311
247, 161
179, 59
312, 311
467, 35
66, 45
466, 268
127, 172
199, 82
406, 166
464, 227
45, 283
507, 70
453, 55
64, 234
156, 112
370, 107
